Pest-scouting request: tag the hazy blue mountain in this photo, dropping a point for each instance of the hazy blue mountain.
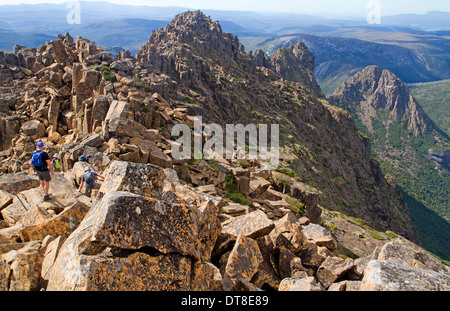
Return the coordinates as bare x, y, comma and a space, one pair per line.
338, 57
9, 38
129, 34
430, 21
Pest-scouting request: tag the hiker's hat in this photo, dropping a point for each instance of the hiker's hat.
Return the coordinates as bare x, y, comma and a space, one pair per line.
40, 144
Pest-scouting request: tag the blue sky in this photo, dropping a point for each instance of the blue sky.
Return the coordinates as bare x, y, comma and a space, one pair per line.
330, 7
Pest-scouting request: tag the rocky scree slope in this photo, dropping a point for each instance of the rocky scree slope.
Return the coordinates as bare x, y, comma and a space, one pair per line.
79, 100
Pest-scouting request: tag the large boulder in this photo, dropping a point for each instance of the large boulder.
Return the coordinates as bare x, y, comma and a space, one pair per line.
151, 153
126, 65
61, 225
312, 255
34, 128
252, 225
244, 259
99, 111
53, 111
30, 202
119, 109
253, 187
128, 221
20, 269
51, 247
400, 265
143, 179
145, 231
332, 269
393, 276
84, 85
320, 236
409, 254
288, 233
156, 241
134, 272
122, 127
18, 182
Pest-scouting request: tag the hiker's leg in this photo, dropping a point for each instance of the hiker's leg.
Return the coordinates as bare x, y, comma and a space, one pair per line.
47, 187
47, 179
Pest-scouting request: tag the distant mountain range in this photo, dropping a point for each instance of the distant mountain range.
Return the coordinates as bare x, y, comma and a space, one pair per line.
337, 58
414, 47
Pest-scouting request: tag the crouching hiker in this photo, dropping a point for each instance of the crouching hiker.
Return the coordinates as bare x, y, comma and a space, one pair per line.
88, 179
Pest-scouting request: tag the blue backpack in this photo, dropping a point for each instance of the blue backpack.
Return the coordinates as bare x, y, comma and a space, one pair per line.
36, 158
89, 178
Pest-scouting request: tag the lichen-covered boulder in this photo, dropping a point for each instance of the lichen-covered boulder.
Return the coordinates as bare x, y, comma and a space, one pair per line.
61, 225
142, 179
252, 225
393, 276
21, 268
18, 182
151, 245
244, 259
320, 236
332, 269
128, 221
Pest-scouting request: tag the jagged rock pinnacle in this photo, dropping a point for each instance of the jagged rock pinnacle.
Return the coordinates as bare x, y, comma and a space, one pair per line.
383, 89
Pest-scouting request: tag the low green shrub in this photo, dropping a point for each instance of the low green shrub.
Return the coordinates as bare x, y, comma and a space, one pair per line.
286, 171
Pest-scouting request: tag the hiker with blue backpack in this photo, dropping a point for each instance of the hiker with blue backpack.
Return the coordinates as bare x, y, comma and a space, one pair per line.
84, 158
43, 167
88, 179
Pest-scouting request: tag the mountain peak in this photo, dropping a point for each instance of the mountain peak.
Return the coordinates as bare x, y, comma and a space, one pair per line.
383, 89
190, 18
297, 63
190, 33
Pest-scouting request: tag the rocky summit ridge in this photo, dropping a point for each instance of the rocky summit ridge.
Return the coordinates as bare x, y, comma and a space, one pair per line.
158, 223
